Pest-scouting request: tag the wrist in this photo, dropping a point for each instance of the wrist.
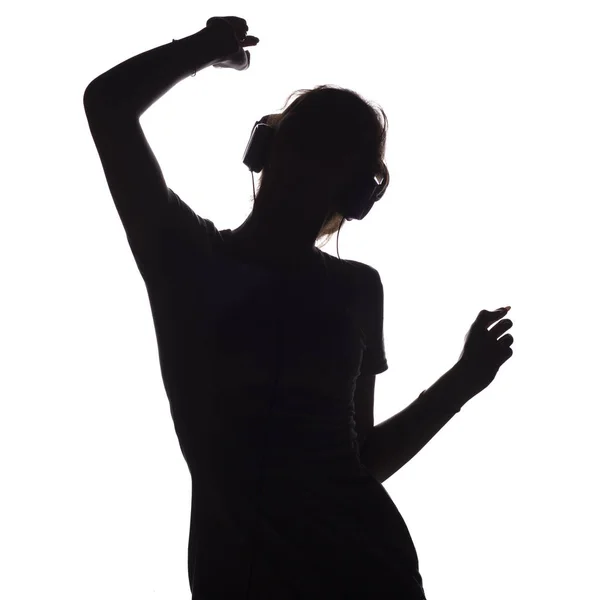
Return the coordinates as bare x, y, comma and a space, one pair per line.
197, 51
450, 392
464, 386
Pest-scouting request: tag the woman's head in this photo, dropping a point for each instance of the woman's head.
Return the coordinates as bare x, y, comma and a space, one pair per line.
325, 130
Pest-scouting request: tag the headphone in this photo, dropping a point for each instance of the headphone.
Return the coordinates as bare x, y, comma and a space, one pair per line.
362, 193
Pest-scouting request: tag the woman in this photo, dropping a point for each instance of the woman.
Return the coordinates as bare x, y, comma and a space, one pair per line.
269, 347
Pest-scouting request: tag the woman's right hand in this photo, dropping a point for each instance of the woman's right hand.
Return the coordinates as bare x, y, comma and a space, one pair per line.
228, 37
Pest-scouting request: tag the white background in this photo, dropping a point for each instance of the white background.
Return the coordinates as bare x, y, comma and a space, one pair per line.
493, 151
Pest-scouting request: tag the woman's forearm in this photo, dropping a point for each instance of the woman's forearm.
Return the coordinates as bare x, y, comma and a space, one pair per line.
135, 84
391, 444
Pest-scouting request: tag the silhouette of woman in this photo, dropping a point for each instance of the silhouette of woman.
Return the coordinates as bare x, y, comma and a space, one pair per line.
268, 346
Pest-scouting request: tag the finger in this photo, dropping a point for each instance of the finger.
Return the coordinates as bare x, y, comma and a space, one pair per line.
237, 21
216, 21
507, 354
507, 339
499, 328
486, 317
240, 26
250, 41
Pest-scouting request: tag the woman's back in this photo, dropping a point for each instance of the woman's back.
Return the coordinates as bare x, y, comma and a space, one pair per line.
259, 358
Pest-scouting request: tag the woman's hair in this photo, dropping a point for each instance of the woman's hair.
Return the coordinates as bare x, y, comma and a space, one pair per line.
331, 126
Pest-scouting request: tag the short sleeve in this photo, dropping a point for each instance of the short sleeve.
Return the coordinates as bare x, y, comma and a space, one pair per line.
374, 360
181, 239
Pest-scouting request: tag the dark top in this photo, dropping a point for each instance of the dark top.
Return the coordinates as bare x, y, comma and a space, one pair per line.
259, 364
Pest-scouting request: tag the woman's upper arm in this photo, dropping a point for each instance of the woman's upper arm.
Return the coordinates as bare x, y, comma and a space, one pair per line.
134, 177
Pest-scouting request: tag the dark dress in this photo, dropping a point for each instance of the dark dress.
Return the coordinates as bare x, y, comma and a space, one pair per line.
259, 364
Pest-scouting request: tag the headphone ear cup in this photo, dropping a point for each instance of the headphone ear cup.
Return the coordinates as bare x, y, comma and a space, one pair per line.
257, 150
360, 197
